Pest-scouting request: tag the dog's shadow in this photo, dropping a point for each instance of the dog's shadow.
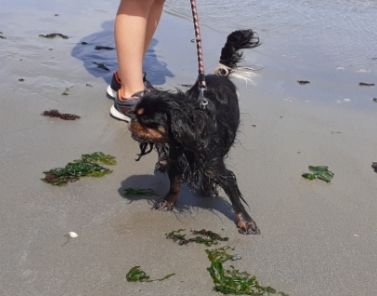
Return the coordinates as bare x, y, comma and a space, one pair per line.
187, 201
97, 53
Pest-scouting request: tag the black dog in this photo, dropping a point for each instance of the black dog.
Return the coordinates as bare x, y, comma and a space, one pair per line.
192, 140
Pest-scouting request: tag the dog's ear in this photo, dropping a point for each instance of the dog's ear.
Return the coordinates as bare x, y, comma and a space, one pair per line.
189, 128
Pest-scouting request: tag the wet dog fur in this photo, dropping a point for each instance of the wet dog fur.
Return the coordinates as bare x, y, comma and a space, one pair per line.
192, 140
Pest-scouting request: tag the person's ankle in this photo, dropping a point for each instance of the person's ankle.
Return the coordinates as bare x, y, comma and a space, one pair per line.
125, 93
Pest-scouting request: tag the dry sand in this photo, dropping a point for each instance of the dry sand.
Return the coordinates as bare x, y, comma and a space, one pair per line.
317, 238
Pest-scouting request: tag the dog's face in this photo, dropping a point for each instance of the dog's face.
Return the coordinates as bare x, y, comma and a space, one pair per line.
149, 121
173, 118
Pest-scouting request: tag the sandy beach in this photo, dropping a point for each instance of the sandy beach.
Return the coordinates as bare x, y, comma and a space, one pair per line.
317, 238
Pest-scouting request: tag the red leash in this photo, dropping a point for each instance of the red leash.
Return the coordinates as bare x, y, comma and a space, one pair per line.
198, 39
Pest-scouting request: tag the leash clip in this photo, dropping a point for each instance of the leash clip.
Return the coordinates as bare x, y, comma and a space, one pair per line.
202, 99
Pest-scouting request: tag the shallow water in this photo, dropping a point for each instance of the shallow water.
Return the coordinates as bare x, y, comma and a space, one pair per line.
332, 44
343, 30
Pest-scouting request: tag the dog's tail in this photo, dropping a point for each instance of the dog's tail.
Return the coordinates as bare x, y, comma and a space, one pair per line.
230, 54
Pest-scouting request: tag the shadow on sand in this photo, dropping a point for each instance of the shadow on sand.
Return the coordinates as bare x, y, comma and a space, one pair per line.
187, 199
102, 62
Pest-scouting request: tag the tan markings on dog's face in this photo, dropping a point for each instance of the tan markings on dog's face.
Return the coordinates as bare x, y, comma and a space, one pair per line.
140, 111
141, 133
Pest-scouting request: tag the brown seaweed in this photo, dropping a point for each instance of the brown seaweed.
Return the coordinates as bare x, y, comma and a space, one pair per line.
101, 66
374, 166
203, 236
57, 114
366, 84
101, 47
53, 35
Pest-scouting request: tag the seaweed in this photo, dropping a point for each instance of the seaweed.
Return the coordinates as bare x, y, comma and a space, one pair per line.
203, 236
374, 166
136, 274
101, 47
319, 172
233, 281
53, 35
366, 84
303, 82
221, 254
139, 192
374, 100
99, 157
88, 165
57, 114
101, 66
2, 36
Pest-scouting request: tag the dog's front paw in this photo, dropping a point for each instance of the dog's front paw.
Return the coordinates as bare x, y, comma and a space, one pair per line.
164, 204
246, 225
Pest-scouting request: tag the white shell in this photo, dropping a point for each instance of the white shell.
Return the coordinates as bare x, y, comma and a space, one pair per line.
72, 234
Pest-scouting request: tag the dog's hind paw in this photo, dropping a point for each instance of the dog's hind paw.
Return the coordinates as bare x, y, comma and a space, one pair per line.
164, 205
246, 225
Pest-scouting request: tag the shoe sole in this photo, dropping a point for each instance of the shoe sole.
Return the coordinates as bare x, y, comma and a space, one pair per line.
110, 92
118, 115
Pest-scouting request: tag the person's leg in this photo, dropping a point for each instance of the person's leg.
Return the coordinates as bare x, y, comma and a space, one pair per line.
130, 31
153, 21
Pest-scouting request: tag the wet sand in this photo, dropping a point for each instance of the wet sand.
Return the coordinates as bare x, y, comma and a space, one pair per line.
317, 238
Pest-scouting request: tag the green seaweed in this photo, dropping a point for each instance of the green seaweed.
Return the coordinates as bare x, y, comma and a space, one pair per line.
233, 281
319, 172
203, 236
136, 274
88, 165
139, 192
99, 157
221, 255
